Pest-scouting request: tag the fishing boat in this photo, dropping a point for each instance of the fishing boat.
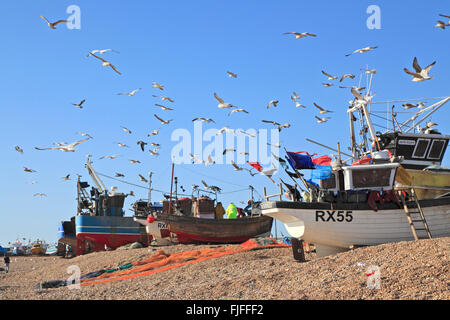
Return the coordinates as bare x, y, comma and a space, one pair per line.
38, 248
100, 223
394, 190
191, 220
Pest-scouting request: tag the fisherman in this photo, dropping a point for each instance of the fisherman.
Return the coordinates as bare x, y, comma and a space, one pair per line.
6, 260
231, 211
219, 211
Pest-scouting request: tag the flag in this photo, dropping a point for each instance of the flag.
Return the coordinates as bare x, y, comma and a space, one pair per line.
323, 160
256, 165
292, 190
292, 174
300, 161
321, 172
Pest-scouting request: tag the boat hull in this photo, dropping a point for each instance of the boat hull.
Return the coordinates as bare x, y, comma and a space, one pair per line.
112, 232
201, 230
337, 227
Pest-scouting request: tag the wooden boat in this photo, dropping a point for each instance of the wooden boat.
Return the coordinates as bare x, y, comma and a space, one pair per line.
203, 230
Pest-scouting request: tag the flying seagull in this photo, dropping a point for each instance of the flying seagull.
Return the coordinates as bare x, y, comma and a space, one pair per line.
362, 50
163, 98
126, 129
153, 133
39, 194
18, 149
154, 152
213, 188
237, 110
272, 102
130, 94
106, 63
102, 51
109, 157
222, 104
301, 35
203, 119
347, 75
163, 107
80, 104
65, 148
322, 110
409, 106
327, 84
134, 161
142, 178
158, 86
321, 120
66, 178
279, 125
441, 24
227, 129
85, 135
330, 77
122, 145
231, 74
142, 144
119, 175
236, 167
420, 74
28, 170
228, 150
52, 25
162, 120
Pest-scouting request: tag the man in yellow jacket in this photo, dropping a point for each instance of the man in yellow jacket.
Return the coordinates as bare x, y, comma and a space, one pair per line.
231, 212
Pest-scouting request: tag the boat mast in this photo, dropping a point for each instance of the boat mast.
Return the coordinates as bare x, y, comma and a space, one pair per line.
149, 201
171, 184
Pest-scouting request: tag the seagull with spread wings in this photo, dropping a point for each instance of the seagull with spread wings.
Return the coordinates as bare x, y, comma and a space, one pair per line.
28, 169
126, 129
119, 175
330, 77
130, 94
162, 120
222, 104
80, 104
163, 98
157, 86
328, 84
299, 35
272, 103
231, 74
66, 178
101, 51
213, 188
347, 75
65, 148
237, 110
39, 195
236, 167
134, 161
109, 157
153, 133
362, 50
53, 25
321, 120
142, 178
142, 144
228, 150
279, 125
106, 63
369, 71
122, 145
203, 119
322, 110
163, 107
18, 149
420, 74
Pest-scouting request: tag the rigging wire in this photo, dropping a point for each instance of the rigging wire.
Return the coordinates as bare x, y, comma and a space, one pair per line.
211, 177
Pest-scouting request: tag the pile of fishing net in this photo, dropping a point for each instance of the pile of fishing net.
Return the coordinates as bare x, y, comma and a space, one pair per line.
162, 261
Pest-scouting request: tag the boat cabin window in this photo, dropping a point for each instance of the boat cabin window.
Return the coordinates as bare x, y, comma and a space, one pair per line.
421, 148
437, 147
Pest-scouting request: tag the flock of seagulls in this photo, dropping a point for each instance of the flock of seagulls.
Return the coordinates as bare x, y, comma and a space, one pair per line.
419, 74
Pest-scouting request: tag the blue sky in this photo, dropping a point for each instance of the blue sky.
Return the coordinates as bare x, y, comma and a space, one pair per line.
188, 47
